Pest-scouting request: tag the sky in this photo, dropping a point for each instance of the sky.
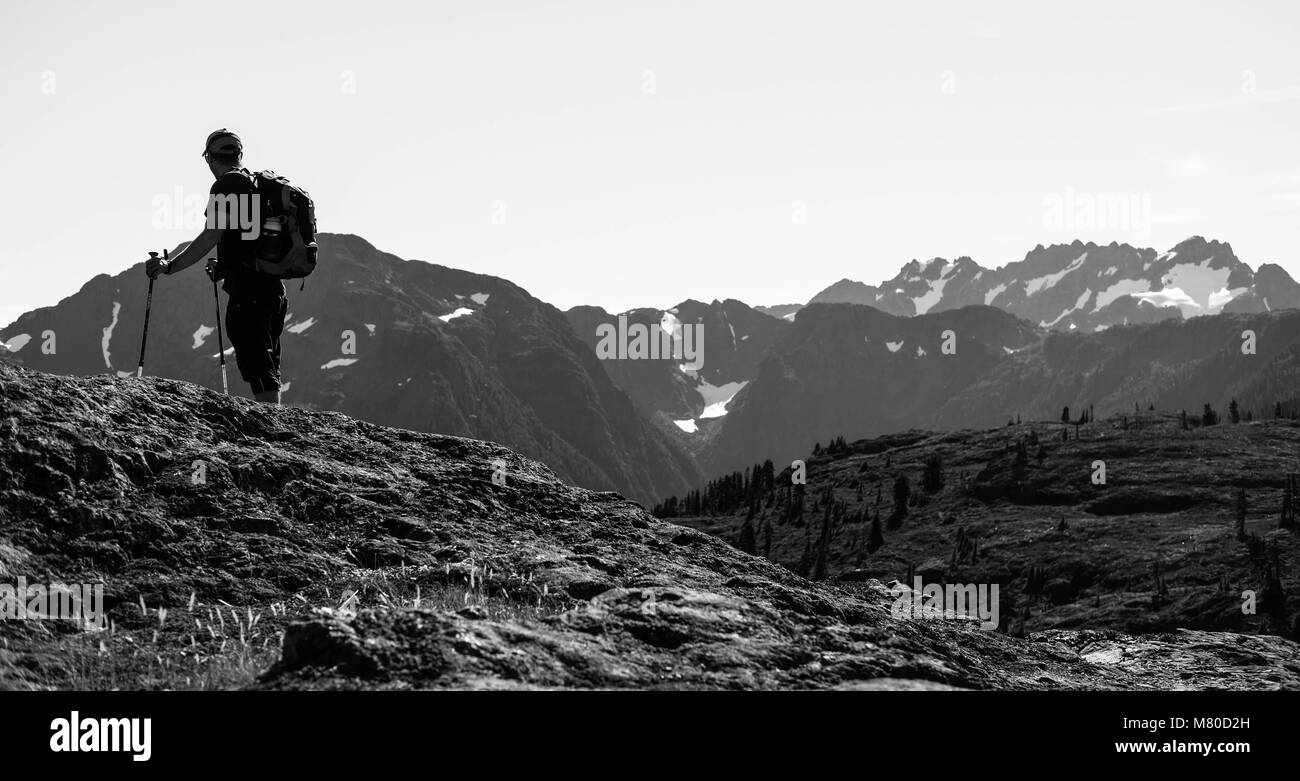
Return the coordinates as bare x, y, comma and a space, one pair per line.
629, 154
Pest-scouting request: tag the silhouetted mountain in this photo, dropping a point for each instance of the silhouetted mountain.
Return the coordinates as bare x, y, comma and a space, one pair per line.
395, 342
780, 311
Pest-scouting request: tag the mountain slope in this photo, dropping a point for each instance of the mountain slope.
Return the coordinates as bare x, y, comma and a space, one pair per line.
735, 338
390, 559
1152, 548
394, 342
855, 371
1172, 365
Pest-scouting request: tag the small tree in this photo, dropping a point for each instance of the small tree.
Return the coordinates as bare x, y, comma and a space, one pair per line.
932, 477
747, 542
1233, 414
1209, 417
876, 539
1065, 415
902, 493
1241, 513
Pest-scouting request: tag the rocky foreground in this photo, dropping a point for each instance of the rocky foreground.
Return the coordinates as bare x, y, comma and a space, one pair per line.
242, 546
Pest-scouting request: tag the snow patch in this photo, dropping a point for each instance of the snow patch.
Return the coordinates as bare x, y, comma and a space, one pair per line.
1198, 282
298, 328
687, 425
480, 298
1083, 299
20, 341
339, 362
1011, 350
931, 297
370, 327
717, 397
669, 323
460, 312
1220, 298
994, 293
1170, 296
200, 335
284, 387
108, 337
1109, 271
1124, 287
894, 346
1048, 280
920, 351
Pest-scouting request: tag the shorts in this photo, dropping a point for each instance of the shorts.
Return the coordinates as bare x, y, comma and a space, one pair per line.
254, 326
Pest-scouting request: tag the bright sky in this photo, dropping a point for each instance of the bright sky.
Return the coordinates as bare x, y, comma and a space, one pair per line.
639, 153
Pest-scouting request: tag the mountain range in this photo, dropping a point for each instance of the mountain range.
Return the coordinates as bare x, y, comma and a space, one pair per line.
1084, 286
944, 345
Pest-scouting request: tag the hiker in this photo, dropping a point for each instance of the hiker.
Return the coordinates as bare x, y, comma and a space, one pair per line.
256, 307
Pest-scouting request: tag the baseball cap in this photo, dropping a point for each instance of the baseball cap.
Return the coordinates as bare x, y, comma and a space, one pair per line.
222, 142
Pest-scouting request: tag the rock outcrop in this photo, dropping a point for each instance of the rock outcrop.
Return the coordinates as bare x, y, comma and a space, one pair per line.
386, 558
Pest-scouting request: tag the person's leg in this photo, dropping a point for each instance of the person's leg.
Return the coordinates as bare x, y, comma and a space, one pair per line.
255, 328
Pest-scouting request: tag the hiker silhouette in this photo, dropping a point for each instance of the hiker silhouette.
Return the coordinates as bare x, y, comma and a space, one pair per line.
256, 304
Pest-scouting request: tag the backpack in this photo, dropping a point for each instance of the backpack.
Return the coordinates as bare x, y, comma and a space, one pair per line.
286, 243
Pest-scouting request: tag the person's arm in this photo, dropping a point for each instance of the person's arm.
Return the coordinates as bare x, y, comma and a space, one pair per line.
202, 245
196, 251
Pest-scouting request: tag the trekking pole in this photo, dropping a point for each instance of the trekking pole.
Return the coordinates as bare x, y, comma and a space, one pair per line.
148, 304
221, 347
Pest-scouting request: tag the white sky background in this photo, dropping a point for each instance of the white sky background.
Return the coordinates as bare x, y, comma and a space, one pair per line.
620, 198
